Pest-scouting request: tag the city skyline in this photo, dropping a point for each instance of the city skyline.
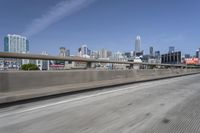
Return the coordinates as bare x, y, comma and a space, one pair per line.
14, 43
100, 24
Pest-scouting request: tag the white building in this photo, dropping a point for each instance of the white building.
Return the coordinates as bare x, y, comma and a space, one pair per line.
16, 43
64, 52
137, 60
84, 52
137, 44
94, 55
104, 54
119, 56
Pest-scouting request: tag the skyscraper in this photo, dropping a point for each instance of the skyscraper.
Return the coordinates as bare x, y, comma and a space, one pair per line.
103, 53
137, 44
67, 52
157, 54
64, 52
84, 51
171, 49
16, 44
197, 53
151, 51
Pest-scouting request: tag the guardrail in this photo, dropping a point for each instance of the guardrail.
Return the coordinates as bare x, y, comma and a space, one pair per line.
23, 85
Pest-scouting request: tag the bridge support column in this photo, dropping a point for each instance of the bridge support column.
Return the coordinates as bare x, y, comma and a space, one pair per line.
89, 65
131, 66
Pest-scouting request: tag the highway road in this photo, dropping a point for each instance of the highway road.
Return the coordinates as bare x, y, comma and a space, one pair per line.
162, 106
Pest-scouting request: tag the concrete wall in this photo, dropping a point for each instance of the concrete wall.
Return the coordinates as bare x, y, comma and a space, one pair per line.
17, 81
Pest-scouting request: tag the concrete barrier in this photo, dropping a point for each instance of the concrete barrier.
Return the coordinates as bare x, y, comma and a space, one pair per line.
20, 85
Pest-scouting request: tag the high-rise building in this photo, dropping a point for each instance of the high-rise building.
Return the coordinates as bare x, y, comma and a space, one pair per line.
109, 54
157, 54
94, 55
151, 51
16, 44
171, 58
128, 54
199, 53
137, 44
119, 56
64, 52
67, 52
104, 53
138, 52
187, 55
84, 51
171, 49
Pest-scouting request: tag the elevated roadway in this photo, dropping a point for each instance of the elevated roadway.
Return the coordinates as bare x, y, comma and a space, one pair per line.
163, 106
88, 61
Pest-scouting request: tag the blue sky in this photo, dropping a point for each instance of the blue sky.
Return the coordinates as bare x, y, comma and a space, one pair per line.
111, 24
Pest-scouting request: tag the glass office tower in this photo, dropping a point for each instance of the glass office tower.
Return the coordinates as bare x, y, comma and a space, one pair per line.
16, 44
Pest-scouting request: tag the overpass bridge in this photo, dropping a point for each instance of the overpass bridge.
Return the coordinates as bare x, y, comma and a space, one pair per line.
99, 101
22, 85
88, 61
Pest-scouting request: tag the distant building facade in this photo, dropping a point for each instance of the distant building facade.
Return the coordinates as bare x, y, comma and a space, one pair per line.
171, 49
104, 54
198, 53
151, 52
188, 56
128, 54
16, 44
138, 51
84, 51
191, 61
171, 58
64, 52
137, 44
94, 55
157, 54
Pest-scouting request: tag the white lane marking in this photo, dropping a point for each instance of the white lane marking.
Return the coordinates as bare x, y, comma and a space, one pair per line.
80, 98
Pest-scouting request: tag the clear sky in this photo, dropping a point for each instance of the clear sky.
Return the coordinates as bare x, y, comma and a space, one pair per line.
111, 24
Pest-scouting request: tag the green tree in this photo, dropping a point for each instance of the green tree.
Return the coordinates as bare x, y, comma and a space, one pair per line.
27, 67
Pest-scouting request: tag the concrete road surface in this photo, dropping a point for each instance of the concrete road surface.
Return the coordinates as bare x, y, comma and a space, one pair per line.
163, 106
